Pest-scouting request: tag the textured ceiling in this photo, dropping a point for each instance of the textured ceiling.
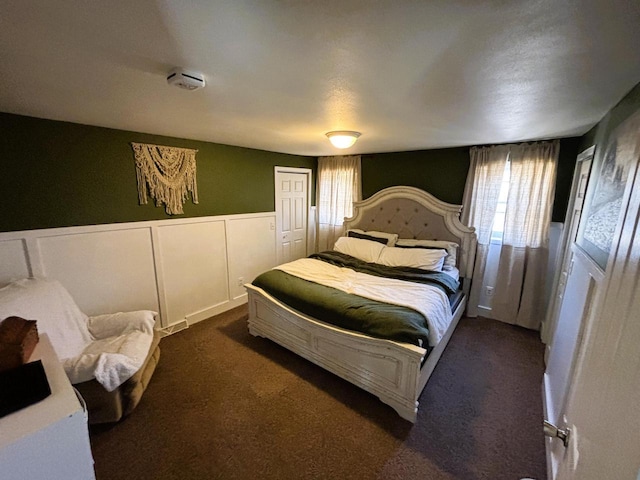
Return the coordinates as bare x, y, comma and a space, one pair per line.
409, 75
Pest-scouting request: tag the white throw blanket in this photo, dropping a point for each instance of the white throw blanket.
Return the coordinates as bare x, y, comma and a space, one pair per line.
121, 343
111, 348
430, 301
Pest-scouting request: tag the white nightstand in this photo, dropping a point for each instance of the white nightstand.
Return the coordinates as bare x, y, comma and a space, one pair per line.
50, 439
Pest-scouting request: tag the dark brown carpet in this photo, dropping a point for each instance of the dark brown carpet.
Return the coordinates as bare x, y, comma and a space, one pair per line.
223, 404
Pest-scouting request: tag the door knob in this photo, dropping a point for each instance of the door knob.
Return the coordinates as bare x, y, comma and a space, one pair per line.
550, 430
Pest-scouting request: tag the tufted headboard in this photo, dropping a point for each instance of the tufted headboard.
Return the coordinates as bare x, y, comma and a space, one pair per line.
414, 213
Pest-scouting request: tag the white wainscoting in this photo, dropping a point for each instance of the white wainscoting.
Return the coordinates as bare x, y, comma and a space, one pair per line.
252, 250
100, 267
185, 269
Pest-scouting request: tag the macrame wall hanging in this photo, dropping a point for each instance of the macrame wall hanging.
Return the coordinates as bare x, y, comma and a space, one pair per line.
167, 174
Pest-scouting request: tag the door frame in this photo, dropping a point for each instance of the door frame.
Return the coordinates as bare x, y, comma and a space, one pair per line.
309, 177
569, 253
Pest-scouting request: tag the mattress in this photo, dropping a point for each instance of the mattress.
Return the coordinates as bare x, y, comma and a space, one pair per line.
381, 314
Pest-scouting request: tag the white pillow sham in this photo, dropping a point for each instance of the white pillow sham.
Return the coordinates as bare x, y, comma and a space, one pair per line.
450, 247
426, 259
389, 237
365, 250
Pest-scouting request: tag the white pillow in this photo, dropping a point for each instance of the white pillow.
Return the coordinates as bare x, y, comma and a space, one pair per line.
365, 250
450, 247
48, 302
426, 259
389, 237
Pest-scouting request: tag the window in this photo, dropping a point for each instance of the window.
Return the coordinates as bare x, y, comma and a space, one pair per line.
497, 229
338, 188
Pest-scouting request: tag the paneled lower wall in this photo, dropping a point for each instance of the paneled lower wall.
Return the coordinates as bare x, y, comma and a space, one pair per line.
185, 269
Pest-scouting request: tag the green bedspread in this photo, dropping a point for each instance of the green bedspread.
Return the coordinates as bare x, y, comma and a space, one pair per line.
353, 312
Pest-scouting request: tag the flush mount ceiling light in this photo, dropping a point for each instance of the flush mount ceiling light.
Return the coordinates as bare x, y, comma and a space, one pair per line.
343, 138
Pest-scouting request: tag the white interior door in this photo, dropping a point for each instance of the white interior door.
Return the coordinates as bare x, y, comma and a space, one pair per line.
292, 204
584, 279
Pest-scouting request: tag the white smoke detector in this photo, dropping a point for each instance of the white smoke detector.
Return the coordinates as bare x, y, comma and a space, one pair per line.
189, 80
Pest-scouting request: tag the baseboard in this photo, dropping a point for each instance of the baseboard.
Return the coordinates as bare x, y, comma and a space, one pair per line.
216, 309
202, 315
174, 328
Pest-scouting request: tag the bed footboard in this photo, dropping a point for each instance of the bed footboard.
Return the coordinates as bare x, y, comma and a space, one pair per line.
387, 369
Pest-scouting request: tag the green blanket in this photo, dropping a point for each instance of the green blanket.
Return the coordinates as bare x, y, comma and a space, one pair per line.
353, 312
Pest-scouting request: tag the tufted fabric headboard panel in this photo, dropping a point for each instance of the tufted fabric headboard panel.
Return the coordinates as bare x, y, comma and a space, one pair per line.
407, 218
414, 213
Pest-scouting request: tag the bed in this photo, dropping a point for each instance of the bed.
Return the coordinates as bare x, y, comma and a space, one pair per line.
395, 371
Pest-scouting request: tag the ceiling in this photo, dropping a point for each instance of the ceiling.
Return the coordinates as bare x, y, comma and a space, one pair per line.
409, 75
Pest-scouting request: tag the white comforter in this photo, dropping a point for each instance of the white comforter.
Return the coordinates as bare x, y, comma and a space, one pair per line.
430, 301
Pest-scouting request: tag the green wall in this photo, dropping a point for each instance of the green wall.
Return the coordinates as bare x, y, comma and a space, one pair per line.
440, 172
443, 173
569, 150
57, 174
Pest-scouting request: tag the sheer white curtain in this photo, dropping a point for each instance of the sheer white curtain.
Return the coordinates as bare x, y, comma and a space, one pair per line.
480, 201
339, 185
520, 289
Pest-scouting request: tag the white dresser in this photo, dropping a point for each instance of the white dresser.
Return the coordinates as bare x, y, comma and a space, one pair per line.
48, 440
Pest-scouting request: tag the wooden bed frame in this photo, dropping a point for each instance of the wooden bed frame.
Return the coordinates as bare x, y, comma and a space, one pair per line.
390, 370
